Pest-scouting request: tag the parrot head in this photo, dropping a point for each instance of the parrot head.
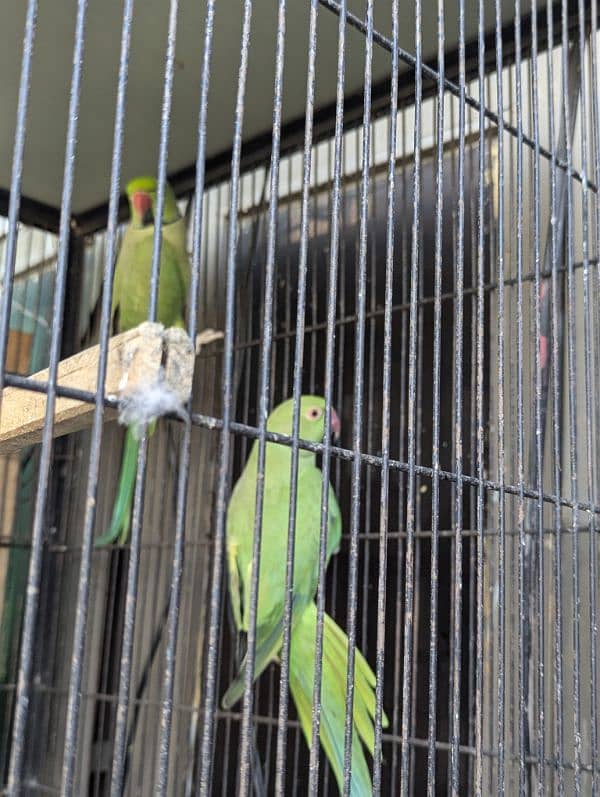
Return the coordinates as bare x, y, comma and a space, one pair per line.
141, 193
312, 418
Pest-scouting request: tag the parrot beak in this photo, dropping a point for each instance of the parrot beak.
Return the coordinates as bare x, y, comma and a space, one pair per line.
142, 204
335, 424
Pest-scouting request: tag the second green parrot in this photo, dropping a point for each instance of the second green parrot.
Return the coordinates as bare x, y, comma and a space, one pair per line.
271, 591
130, 301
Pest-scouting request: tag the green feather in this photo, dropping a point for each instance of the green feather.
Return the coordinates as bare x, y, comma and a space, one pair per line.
333, 698
124, 501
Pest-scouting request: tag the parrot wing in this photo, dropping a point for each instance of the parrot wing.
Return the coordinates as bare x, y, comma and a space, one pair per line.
268, 642
235, 594
334, 533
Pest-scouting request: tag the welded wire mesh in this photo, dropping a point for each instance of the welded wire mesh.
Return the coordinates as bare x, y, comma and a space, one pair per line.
423, 254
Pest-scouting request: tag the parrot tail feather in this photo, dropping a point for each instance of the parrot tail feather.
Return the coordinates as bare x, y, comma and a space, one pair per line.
333, 697
121, 516
267, 646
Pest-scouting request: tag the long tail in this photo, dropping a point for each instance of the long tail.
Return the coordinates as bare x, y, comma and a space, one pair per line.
121, 516
333, 697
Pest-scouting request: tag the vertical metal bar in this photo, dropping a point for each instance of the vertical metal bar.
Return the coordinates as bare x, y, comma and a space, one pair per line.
267, 340
282, 718
184, 465
329, 362
165, 123
386, 407
418, 596
591, 469
479, 647
552, 329
435, 445
83, 589
458, 443
118, 768
524, 622
536, 447
501, 694
398, 638
452, 390
552, 251
15, 185
473, 390
572, 406
370, 399
206, 752
15, 775
489, 632
595, 123
412, 387
357, 415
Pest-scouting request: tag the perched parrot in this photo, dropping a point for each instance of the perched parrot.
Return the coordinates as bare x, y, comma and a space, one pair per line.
271, 590
131, 297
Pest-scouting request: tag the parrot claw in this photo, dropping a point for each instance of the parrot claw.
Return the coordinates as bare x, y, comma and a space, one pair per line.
207, 336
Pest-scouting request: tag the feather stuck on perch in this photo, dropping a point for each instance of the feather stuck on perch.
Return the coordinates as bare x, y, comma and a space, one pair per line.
146, 362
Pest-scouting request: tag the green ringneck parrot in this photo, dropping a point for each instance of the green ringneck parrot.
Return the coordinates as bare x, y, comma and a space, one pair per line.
130, 300
271, 591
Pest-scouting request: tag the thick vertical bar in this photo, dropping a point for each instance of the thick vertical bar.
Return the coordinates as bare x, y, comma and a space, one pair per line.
536, 447
595, 123
119, 755
263, 411
206, 750
15, 184
184, 465
552, 250
480, 359
458, 401
403, 258
118, 767
524, 630
411, 414
501, 693
15, 775
588, 343
280, 758
572, 401
552, 330
83, 589
435, 444
357, 415
165, 123
313, 781
386, 407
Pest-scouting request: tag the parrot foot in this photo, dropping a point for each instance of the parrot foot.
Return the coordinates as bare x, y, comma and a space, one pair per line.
207, 336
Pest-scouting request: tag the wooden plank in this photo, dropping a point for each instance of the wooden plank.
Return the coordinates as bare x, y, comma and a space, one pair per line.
18, 353
136, 358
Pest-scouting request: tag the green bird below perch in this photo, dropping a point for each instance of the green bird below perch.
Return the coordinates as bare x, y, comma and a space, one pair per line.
130, 301
271, 591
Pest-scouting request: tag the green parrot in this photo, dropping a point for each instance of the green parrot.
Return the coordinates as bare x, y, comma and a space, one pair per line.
271, 590
130, 300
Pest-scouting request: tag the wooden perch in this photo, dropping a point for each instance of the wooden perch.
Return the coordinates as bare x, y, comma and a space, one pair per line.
136, 359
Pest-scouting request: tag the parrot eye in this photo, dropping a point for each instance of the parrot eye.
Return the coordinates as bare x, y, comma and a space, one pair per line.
314, 413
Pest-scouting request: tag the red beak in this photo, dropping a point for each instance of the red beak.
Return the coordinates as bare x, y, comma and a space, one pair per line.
335, 423
141, 202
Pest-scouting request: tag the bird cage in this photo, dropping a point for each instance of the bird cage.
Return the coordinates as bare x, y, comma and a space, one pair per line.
390, 207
